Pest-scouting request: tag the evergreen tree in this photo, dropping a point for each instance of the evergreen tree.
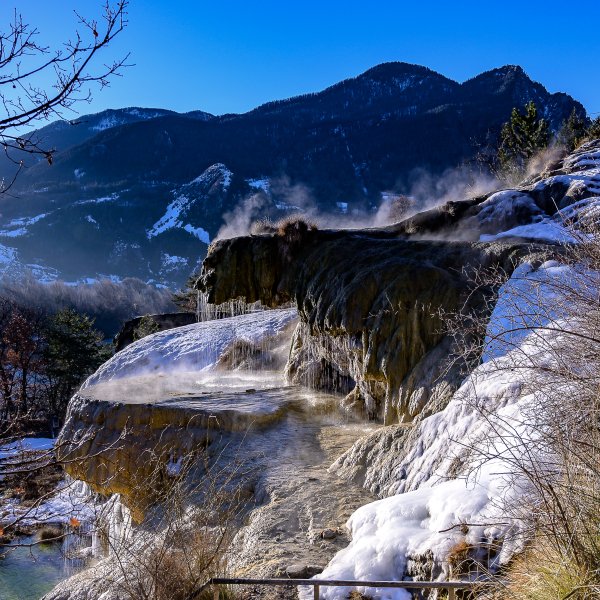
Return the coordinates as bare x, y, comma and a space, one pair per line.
521, 137
187, 298
573, 131
593, 131
147, 326
74, 350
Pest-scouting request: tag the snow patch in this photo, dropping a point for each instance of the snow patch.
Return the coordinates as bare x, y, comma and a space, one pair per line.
27, 444
171, 262
186, 197
504, 204
217, 171
108, 122
18, 227
562, 228
112, 197
261, 183
71, 500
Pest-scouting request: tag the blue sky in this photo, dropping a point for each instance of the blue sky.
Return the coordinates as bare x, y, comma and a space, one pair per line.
230, 56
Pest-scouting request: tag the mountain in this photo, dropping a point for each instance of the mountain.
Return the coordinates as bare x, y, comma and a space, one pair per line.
65, 134
140, 192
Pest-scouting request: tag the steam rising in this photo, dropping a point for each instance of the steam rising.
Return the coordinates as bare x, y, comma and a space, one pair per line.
424, 191
195, 350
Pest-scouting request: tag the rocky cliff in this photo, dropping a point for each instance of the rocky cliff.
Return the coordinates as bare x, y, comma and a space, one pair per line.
370, 306
370, 301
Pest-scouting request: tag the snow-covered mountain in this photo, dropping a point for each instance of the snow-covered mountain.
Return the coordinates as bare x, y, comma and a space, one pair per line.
141, 192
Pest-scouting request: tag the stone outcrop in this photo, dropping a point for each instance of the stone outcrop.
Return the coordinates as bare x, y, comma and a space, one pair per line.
370, 300
114, 438
160, 322
369, 304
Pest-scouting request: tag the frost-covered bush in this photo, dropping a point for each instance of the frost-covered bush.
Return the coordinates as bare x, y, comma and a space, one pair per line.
108, 302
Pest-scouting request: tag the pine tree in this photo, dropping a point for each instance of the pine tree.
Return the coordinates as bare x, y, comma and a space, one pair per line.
187, 298
74, 351
593, 131
573, 131
521, 138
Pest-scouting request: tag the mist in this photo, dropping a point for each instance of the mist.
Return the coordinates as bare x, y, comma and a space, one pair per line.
422, 192
109, 303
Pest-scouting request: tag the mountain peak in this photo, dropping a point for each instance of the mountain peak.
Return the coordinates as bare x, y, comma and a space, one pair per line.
506, 72
394, 69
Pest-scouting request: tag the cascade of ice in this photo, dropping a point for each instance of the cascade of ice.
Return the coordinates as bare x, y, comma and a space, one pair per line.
113, 527
205, 311
336, 363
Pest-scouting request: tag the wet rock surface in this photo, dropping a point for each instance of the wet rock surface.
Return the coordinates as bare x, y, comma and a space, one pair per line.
295, 498
369, 300
113, 444
369, 306
303, 500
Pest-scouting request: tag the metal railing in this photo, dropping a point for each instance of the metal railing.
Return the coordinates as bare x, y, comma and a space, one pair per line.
317, 584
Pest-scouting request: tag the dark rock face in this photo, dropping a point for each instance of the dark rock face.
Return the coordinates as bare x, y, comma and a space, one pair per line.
370, 300
369, 306
162, 322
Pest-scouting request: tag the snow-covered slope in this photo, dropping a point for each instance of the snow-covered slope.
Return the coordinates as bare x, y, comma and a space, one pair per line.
180, 212
192, 348
456, 484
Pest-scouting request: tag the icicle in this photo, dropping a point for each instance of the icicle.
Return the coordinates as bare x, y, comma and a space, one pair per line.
205, 311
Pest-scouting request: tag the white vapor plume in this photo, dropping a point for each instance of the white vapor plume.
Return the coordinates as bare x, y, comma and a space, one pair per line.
423, 192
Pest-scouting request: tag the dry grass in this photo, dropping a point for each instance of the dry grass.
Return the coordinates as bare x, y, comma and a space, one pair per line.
542, 573
185, 522
294, 227
354, 595
460, 558
263, 227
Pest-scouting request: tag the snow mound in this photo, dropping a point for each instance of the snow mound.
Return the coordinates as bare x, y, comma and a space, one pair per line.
563, 228
505, 207
71, 500
191, 348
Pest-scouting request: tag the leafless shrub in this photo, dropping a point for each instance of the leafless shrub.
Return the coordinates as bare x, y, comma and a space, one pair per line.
400, 208
294, 227
38, 82
546, 341
292, 233
190, 515
109, 303
262, 227
49, 534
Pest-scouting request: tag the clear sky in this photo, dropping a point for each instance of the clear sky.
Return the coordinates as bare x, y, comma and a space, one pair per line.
230, 56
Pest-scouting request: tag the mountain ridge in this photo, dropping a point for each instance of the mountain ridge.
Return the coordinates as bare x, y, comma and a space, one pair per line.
340, 149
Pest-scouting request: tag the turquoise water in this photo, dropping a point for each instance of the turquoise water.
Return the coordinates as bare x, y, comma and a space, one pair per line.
29, 573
